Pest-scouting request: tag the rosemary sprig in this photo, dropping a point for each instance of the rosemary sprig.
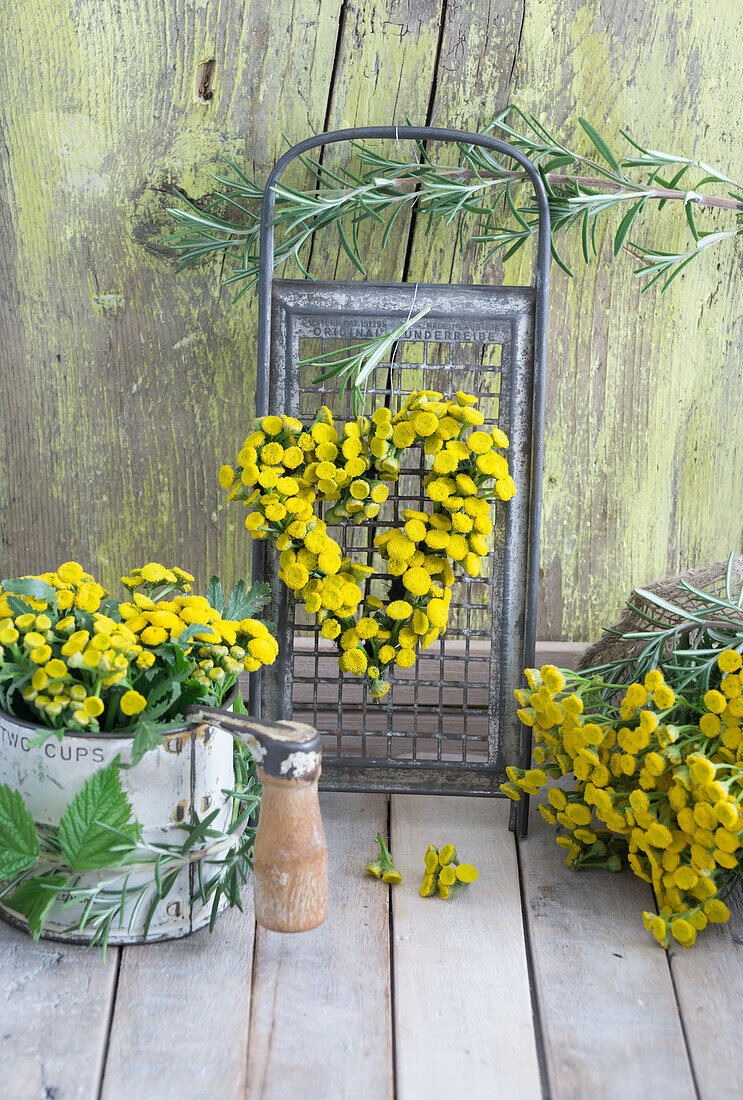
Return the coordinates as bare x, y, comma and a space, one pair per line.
685, 648
354, 365
482, 192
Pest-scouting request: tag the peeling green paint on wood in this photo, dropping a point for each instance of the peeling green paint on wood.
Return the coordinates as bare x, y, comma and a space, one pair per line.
124, 386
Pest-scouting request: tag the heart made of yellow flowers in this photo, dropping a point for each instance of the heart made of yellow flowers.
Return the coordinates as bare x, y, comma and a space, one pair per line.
285, 472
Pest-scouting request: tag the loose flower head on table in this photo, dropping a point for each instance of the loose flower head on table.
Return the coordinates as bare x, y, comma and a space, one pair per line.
284, 472
444, 872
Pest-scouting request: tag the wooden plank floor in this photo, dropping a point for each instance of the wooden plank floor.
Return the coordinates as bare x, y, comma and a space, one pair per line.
534, 982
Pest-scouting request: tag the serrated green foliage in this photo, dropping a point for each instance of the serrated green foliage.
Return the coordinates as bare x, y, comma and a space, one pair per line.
247, 604
113, 901
146, 738
238, 605
480, 191
16, 604
13, 677
169, 688
191, 631
86, 831
33, 899
215, 593
32, 587
19, 844
242, 602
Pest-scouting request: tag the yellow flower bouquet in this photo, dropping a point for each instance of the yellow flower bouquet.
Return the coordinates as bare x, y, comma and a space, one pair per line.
653, 747
286, 473
72, 658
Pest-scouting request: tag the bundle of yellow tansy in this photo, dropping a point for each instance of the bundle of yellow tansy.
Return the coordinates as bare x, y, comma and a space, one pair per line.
658, 782
286, 472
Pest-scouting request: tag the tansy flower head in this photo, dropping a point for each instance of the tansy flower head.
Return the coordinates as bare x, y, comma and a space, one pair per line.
663, 697
226, 476
448, 875
636, 695
272, 425
132, 703
653, 680
729, 660
715, 701
552, 678
70, 572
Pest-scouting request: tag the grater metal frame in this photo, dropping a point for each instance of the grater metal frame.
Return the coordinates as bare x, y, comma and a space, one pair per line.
515, 319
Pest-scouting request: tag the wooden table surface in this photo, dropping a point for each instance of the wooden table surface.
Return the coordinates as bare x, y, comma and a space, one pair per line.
534, 981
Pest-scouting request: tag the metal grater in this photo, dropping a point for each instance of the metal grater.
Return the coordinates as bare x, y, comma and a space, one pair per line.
448, 725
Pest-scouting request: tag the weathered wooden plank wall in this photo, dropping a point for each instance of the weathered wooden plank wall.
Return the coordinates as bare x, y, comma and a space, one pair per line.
123, 385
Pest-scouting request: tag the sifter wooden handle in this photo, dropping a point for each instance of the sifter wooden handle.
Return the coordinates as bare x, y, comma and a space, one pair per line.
290, 857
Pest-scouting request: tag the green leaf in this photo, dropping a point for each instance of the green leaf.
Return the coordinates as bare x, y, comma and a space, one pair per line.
34, 898
514, 248
558, 258
390, 224
516, 213
234, 601
242, 602
146, 738
44, 735
584, 239
352, 255
677, 272
626, 224
193, 628
601, 145
16, 604
32, 587
85, 829
215, 593
248, 605
691, 220
671, 184
19, 845
238, 707
665, 605
561, 161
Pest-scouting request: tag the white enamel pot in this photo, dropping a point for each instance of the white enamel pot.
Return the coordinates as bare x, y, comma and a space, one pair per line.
186, 775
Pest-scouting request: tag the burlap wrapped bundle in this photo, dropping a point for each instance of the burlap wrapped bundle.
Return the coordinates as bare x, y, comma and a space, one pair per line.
711, 578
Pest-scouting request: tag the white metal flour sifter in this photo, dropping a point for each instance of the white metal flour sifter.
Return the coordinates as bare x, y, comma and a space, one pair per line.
449, 725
